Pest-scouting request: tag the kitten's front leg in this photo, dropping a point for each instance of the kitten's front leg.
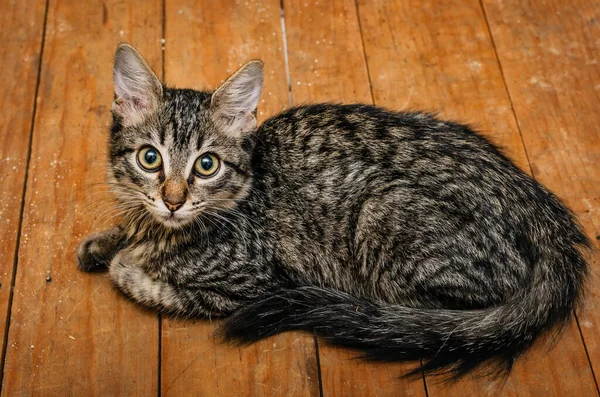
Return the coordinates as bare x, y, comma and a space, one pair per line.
167, 298
97, 250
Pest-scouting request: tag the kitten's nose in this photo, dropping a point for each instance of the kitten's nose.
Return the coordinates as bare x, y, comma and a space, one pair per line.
174, 194
173, 206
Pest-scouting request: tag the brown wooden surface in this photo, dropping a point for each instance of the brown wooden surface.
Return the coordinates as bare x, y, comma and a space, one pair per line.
450, 68
21, 31
523, 72
203, 49
74, 335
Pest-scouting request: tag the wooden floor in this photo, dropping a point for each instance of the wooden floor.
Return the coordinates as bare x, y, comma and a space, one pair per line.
526, 73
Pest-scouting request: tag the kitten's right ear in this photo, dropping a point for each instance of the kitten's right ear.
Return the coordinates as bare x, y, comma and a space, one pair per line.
234, 102
137, 89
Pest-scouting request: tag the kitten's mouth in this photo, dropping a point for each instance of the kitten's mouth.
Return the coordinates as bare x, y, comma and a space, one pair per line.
172, 220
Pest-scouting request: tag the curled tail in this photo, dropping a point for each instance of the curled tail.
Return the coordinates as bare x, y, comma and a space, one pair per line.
451, 342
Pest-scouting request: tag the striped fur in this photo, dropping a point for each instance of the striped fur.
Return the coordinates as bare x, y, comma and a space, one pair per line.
398, 234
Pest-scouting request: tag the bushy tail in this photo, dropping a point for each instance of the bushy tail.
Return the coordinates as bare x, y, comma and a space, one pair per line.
450, 342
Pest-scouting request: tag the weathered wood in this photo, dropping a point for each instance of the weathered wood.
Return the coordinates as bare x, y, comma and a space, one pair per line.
327, 63
452, 68
206, 41
21, 37
194, 362
551, 368
325, 52
71, 333
549, 52
75, 334
426, 57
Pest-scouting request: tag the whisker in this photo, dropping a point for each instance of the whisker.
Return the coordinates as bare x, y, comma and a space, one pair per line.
234, 226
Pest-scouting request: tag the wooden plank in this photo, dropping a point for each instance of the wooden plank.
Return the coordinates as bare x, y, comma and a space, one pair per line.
424, 56
71, 333
326, 63
202, 49
21, 30
549, 53
325, 52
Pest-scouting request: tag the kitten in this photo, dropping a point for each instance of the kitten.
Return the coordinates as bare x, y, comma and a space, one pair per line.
398, 234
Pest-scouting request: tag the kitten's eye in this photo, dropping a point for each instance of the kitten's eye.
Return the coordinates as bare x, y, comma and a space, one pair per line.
149, 159
207, 165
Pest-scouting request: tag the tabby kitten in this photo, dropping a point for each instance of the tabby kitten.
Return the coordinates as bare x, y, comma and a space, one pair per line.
398, 234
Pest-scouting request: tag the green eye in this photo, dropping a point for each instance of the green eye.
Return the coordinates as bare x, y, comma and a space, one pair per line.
149, 159
207, 165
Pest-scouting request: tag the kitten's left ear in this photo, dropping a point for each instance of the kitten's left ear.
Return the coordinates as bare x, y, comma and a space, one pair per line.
234, 102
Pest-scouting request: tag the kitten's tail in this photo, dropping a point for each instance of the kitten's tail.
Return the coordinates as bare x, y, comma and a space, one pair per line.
450, 342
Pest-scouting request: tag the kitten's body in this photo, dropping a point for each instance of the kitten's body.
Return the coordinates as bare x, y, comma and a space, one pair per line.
369, 227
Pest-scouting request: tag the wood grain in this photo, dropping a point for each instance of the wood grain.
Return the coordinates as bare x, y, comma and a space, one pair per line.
21, 37
326, 63
325, 52
453, 69
205, 43
549, 52
75, 335
71, 333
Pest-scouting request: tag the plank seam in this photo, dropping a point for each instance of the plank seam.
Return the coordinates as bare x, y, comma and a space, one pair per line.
364, 50
510, 100
424, 379
163, 41
23, 193
159, 377
285, 53
318, 365
587, 354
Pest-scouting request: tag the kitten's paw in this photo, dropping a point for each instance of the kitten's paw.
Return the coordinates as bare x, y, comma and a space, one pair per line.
90, 256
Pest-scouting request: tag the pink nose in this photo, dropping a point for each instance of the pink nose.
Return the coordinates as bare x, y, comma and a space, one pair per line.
173, 206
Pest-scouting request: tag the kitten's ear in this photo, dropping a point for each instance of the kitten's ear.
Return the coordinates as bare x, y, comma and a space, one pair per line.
234, 102
137, 89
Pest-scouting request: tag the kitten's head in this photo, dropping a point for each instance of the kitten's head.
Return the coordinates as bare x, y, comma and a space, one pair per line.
174, 153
